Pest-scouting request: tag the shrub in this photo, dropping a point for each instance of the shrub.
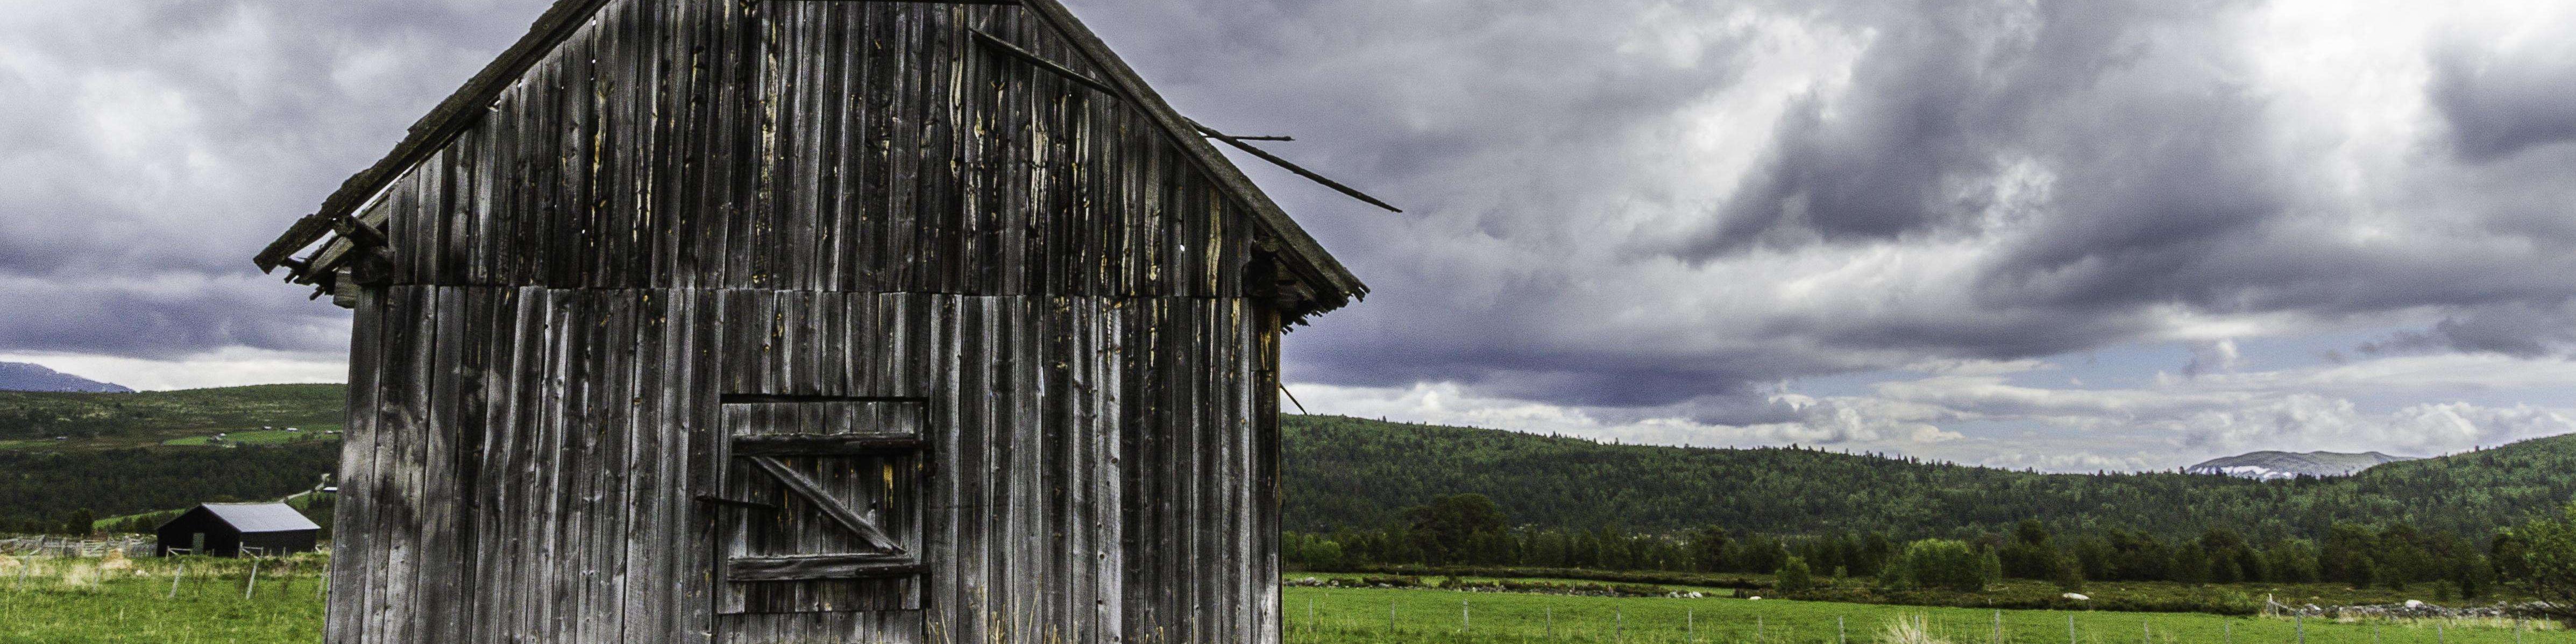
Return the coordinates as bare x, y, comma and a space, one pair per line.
1940, 563
2068, 575
1795, 577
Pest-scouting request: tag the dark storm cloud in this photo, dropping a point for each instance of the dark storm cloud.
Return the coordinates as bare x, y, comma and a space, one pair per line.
2109, 165
1947, 94
167, 321
2518, 330
149, 148
2499, 103
2151, 152
1605, 200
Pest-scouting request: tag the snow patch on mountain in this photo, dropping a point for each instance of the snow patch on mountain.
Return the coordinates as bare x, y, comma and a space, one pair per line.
2285, 465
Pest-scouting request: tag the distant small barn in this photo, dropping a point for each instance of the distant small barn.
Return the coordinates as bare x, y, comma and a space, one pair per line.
228, 529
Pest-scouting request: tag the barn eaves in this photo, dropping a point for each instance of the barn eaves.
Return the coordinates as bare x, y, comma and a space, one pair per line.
1309, 273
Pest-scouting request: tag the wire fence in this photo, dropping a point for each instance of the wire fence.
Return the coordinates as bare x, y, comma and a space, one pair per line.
49, 546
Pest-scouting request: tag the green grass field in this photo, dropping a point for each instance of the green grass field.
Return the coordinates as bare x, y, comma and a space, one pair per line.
89, 601
262, 437
1338, 615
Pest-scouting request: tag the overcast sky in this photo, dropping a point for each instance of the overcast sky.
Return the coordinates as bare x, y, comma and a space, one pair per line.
2067, 235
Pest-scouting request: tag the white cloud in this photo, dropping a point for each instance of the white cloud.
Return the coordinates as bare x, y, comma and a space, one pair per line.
1970, 413
224, 368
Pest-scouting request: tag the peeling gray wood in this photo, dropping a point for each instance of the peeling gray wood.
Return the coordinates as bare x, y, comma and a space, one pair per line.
712, 282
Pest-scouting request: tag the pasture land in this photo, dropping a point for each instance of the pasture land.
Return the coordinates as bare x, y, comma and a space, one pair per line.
31, 420
262, 436
1351, 615
83, 601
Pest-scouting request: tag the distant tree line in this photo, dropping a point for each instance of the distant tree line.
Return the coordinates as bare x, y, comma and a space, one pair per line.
1366, 474
1472, 530
62, 492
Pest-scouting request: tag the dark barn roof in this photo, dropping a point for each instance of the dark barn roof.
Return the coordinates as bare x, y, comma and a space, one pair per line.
1330, 285
252, 518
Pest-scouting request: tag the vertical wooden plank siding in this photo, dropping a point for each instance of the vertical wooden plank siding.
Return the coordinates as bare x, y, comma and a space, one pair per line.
832, 146
701, 220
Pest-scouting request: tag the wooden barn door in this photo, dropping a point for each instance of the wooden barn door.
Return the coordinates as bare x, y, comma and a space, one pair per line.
818, 511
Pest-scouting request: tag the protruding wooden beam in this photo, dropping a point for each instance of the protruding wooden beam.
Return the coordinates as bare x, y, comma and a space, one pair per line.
297, 236
1292, 398
358, 232
1238, 142
1250, 138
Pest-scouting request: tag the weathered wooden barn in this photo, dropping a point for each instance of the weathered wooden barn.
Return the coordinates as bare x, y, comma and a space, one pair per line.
809, 321
235, 529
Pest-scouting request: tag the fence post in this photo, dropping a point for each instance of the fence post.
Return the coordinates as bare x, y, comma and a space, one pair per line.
1618, 625
1839, 636
1757, 628
1390, 616
2302, 621
2146, 634
174, 580
2228, 630
1464, 625
1550, 614
2070, 628
1690, 625
254, 580
1999, 627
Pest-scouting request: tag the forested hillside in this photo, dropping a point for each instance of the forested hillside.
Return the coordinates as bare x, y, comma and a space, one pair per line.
68, 457
1347, 472
46, 491
1363, 473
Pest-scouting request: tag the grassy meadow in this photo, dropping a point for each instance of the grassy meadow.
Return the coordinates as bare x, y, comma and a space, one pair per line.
92, 600
84, 601
33, 420
1339, 615
261, 436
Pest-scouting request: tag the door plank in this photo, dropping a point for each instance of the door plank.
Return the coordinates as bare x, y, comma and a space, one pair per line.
826, 444
806, 568
803, 486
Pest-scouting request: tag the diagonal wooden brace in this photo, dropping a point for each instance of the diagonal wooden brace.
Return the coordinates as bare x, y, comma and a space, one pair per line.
805, 487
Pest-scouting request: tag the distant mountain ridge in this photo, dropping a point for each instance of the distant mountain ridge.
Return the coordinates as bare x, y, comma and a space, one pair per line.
21, 376
2268, 465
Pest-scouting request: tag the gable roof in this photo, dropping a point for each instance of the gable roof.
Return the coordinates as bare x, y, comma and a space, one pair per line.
260, 517
1334, 285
